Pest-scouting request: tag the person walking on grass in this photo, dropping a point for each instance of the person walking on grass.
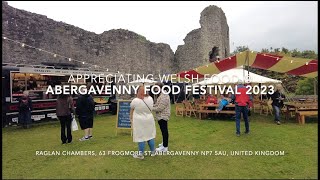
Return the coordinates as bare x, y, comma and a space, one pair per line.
162, 109
142, 120
85, 111
241, 99
63, 110
277, 102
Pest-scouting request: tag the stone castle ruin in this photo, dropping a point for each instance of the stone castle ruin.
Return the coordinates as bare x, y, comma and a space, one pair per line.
199, 43
118, 50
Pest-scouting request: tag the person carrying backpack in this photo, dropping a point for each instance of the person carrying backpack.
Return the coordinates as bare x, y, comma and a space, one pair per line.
25, 108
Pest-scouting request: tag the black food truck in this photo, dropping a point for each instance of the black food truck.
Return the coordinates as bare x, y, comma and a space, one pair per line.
35, 79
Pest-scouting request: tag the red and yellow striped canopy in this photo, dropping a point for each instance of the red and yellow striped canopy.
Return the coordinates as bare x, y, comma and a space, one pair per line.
283, 64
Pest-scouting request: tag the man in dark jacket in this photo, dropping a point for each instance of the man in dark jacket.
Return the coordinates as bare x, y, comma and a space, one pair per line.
25, 108
277, 102
85, 110
241, 99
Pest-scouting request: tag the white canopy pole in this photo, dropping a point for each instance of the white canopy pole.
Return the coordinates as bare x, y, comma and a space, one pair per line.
314, 86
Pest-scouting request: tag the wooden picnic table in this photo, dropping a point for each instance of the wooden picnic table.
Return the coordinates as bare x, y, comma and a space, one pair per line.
203, 108
298, 107
214, 105
265, 107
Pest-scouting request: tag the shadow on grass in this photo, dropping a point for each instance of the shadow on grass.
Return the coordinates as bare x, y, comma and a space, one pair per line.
45, 123
255, 117
219, 117
312, 120
34, 125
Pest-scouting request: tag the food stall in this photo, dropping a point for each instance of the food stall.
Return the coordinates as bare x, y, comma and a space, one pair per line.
35, 79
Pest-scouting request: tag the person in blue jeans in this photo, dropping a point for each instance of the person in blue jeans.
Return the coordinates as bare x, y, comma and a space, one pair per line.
141, 148
222, 103
241, 99
142, 120
277, 102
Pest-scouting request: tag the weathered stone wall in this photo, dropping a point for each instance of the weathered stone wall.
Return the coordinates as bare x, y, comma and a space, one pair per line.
118, 50
214, 31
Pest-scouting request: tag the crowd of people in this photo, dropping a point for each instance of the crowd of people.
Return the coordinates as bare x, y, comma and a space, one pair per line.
65, 112
143, 109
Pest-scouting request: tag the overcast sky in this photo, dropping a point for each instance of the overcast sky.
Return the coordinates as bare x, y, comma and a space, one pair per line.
254, 24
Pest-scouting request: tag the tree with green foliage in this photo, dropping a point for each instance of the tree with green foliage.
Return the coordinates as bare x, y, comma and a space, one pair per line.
239, 49
276, 50
305, 86
285, 50
309, 54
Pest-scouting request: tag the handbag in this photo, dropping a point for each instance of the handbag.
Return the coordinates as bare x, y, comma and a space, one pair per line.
74, 125
70, 104
147, 105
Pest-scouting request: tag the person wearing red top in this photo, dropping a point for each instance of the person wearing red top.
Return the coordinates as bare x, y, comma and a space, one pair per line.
211, 99
250, 105
241, 99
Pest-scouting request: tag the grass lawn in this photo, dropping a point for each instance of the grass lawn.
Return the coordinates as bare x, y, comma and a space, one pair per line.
299, 142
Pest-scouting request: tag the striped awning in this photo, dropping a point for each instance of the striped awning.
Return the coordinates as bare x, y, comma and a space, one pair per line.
283, 64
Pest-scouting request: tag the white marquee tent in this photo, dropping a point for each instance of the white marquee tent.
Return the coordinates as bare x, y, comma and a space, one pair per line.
234, 76
142, 81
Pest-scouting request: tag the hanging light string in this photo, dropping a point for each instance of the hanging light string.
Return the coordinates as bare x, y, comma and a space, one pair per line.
55, 54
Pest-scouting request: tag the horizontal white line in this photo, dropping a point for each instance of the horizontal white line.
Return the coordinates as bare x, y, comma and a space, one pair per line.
43, 110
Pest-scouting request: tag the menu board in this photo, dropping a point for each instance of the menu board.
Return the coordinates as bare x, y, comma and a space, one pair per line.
123, 115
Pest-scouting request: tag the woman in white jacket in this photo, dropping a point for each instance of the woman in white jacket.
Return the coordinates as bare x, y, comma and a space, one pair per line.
142, 120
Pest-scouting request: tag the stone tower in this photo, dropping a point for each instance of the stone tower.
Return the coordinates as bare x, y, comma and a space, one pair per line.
214, 31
